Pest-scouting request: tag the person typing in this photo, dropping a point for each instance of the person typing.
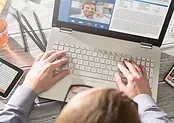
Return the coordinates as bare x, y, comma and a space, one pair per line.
101, 105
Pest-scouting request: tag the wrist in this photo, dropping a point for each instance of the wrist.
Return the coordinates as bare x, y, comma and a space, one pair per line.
32, 87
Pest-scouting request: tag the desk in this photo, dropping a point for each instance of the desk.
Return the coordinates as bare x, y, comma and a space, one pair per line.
45, 111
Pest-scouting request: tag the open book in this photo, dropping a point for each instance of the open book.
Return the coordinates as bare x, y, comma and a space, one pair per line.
2, 4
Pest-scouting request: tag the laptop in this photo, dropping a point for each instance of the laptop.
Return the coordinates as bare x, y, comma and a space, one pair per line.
97, 34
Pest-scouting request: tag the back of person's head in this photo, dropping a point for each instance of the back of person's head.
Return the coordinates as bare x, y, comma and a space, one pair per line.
100, 106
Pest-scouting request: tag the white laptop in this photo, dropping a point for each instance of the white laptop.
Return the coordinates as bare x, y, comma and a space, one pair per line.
99, 34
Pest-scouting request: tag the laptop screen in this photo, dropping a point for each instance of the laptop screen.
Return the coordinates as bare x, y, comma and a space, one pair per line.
137, 17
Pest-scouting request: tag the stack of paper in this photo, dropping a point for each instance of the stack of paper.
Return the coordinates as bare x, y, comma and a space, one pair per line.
2, 4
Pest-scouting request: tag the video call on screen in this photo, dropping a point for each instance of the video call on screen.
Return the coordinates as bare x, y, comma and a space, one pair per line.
138, 17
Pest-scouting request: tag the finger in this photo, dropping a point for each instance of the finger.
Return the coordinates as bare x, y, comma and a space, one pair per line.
60, 62
47, 54
136, 66
58, 76
125, 71
119, 82
55, 55
131, 67
143, 71
38, 57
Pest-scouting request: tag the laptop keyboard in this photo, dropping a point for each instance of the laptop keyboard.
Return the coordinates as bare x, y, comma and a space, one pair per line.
99, 64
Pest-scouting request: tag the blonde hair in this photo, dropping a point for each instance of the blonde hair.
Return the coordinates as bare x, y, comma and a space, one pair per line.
102, 106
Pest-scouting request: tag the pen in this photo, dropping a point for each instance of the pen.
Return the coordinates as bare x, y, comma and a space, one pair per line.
28, 24
22, 33
28, 32
40, 29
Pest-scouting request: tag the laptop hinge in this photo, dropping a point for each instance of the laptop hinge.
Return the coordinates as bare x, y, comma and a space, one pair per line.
66, 30
146, 45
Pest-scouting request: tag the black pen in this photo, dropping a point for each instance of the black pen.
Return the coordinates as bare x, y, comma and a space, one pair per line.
40, 29
28, 32
22, 33
35, 35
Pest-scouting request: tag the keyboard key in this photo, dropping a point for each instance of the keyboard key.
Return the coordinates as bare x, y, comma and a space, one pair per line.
147, 64
66, 48
74, 55
74, 61
151, 72
79, 56
83, 52
143, 59
93, 70
82, 67
72, 50
55, 47
106, 56
80, 62
88, 69
143, 63
86, 63
105, 72
147, 59
102, 61
56, 43
103, 66
77, 51
114, 63
111, 73
117, 58
111, 57
114, 68
152, 65
97, 65
110, 78
138, 62
108, 61
108, 67
60, 48
96, 59
99, 70
94, 54
152, 60
85, 57
91, 58
100, 55
76, 66
104, 77
89, 53
91, 64
70, 65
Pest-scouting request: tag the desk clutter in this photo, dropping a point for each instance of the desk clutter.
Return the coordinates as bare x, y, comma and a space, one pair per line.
41, 43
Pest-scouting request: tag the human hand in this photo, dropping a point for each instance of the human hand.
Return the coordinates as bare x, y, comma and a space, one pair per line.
136, 77
42, 75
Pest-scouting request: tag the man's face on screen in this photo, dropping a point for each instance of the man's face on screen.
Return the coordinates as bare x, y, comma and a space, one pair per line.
89, 10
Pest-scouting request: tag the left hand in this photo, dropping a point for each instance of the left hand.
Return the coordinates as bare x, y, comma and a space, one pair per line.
137, 79
42, 75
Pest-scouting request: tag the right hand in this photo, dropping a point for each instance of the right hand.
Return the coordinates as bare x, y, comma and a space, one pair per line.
137, 79
42, 75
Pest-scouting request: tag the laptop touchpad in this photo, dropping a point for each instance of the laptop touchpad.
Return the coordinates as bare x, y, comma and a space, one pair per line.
87, 82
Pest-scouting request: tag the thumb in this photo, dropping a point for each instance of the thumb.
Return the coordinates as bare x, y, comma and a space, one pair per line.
119, 82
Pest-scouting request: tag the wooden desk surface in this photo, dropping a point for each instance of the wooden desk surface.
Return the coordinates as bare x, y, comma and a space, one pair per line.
47, 110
